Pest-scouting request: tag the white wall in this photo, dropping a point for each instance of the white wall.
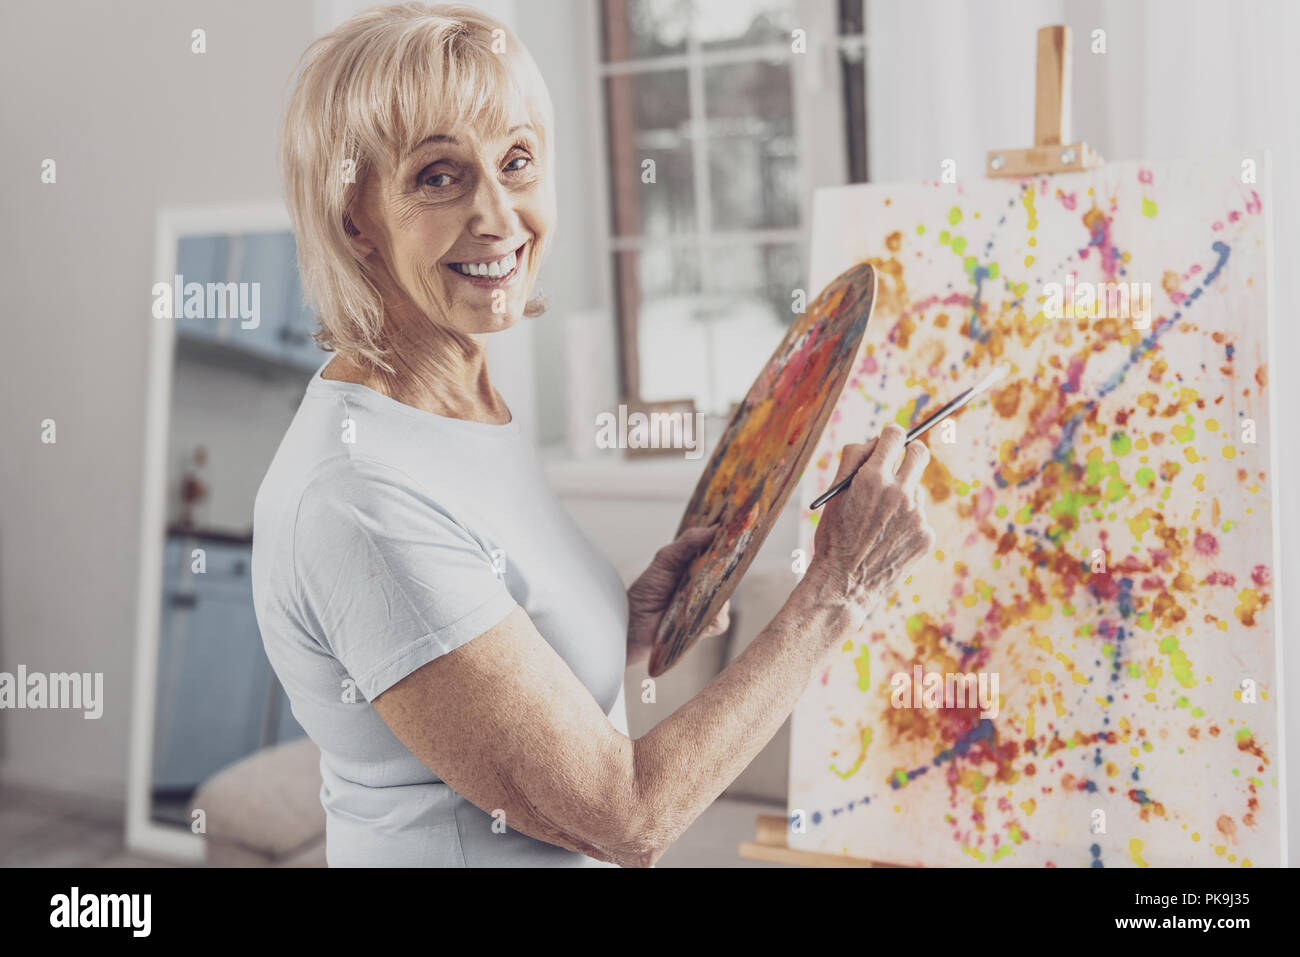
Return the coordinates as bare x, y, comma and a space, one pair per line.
135, 121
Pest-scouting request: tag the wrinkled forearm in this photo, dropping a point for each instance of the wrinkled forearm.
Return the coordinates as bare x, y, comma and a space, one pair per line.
688, 759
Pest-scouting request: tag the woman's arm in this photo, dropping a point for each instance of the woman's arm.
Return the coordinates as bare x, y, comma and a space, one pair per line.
504, 721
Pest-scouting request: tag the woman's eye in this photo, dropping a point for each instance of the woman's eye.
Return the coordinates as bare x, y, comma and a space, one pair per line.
521, 162
437, 180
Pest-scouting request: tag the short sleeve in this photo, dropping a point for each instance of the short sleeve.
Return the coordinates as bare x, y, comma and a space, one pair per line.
387, 577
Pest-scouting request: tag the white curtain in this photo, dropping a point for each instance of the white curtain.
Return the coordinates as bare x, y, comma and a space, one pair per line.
1179, 78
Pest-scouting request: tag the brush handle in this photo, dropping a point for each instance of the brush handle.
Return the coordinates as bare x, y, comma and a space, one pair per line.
914, 433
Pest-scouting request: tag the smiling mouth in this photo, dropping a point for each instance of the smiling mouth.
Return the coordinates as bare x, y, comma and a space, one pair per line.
498, 272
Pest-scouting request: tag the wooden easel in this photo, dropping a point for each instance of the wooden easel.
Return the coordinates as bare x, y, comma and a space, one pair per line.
1052, 152
770, 845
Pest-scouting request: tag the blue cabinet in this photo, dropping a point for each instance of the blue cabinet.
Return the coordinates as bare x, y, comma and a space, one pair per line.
203, 260
217, 697
280, 330
300, 349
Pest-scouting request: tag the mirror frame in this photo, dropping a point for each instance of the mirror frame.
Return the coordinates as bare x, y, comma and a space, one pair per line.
143, 833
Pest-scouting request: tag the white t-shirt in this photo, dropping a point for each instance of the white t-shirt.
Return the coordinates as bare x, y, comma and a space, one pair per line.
383, 537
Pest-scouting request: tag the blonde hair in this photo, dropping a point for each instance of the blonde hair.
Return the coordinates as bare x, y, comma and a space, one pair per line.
364, 95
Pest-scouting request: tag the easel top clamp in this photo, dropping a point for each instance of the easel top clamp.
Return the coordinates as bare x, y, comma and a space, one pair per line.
1051, 153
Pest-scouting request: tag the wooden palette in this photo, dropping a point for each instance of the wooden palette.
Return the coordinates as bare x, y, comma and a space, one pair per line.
758, 461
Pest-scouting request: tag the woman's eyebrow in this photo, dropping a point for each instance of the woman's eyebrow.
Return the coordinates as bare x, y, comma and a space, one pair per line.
446, 138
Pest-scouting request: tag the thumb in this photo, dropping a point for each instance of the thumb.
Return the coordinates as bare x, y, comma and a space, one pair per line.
688, 544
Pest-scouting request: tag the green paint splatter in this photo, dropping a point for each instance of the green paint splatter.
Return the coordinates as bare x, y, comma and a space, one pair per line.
862, 756
920, 229
904, 417
1182, 668
863, 664
1120, 444
1001, 852
954, 216
1148, 207
1116, 489
1146, 478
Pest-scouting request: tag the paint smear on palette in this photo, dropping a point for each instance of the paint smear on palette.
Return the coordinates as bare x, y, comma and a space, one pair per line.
1105, 529
759, 459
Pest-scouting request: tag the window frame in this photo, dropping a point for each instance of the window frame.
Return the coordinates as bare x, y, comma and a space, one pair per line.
819, 104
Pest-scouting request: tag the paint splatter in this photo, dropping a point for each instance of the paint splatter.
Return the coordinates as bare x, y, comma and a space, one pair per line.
1104, 555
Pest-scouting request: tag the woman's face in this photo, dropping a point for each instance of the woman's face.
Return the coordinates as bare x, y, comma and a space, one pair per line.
457, 224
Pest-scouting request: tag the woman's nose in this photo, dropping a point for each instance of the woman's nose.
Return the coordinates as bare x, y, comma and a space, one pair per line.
493, 211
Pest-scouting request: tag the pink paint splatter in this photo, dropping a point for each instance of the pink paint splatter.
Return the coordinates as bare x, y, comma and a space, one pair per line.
1261, 576
1206, 544
1073, 374
1221, 578
1144, 176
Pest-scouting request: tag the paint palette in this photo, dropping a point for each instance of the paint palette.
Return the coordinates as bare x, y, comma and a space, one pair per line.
760, 457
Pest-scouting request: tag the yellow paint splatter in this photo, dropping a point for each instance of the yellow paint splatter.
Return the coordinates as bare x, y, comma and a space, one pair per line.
1135, 846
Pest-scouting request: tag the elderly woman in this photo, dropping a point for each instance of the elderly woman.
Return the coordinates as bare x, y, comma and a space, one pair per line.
446, 635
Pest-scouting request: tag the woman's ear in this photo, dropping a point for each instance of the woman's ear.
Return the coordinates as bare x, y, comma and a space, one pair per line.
362, 244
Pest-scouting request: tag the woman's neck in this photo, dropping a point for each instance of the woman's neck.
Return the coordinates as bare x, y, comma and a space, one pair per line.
458, 387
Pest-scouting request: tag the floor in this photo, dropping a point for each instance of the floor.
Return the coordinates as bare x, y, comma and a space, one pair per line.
38, 832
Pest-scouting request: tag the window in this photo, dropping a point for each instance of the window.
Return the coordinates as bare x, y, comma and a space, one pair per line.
721, 118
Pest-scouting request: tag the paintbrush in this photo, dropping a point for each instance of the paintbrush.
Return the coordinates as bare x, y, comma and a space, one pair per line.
915, 432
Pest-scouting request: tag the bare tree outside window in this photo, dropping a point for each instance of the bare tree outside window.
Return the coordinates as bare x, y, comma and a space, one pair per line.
710, 111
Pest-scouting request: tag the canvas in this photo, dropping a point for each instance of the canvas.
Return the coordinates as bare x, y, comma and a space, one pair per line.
1105, 521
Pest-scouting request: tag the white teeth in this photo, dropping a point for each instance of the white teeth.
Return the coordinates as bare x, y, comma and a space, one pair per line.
501, 267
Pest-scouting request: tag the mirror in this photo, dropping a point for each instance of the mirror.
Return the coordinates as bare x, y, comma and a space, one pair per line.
231, 353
